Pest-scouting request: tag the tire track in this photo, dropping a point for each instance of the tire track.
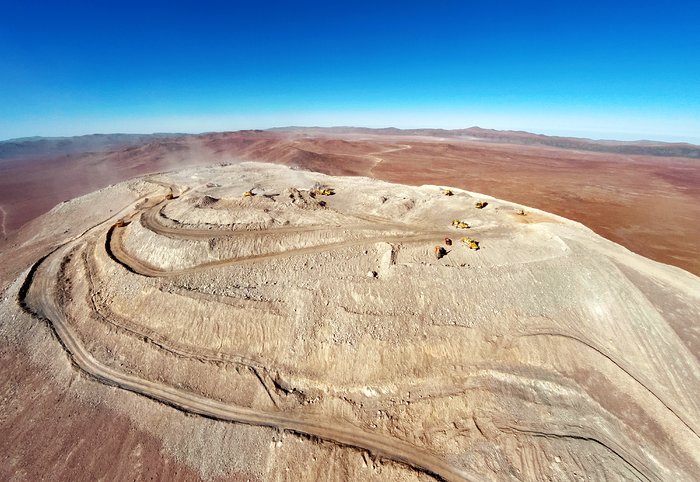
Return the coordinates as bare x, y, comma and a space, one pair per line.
620, 366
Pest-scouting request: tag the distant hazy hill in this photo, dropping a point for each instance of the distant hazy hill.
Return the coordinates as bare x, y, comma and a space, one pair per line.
27, 147
642, 147
39, 147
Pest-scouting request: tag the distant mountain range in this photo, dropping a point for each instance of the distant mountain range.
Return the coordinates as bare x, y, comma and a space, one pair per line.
26, 147
38, 147
641, 147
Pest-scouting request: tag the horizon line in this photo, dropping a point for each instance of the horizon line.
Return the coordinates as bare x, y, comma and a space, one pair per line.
585, 136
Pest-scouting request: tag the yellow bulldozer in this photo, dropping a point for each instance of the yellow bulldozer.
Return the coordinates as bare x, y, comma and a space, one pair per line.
471, 243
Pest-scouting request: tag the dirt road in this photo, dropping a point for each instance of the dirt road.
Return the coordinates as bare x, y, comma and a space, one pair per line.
41, 299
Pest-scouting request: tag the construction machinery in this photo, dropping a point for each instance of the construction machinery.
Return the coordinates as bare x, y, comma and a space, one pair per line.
471, 243
322, 191
447, 192
460, 224
249, 193
440, 252
448, 242
481, 204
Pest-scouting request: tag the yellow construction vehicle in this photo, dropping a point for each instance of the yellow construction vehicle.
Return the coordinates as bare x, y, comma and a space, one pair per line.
481, 204
249, 193
471, 243
324, 191
460, 224
447, 192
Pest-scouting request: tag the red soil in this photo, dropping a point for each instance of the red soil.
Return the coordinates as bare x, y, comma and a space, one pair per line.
49, 433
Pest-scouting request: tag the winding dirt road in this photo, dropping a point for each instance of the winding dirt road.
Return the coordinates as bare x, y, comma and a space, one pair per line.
378, 160
39, 296
149, 218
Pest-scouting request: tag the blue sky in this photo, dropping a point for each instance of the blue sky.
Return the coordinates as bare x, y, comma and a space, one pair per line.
603, 69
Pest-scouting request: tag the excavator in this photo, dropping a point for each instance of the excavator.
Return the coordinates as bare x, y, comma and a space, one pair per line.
447, 192
481, 204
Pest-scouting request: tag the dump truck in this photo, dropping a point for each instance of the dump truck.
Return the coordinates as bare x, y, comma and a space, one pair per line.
460, 224
448, 242
471, 243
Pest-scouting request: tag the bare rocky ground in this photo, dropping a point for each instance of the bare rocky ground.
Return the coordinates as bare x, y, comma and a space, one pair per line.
184, 331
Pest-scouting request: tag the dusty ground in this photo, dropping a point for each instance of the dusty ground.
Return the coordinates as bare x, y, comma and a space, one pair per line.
323, 330
648, 203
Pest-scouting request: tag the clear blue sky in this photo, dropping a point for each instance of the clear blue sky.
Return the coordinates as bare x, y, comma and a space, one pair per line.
614, 69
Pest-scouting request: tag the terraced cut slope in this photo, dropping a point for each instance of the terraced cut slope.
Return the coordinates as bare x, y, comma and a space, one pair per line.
548, 353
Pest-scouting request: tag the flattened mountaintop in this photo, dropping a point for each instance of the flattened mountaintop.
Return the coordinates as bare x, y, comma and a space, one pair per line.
336, 307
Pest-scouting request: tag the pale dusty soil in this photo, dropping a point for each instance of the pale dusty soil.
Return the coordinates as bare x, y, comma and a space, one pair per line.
548, 353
